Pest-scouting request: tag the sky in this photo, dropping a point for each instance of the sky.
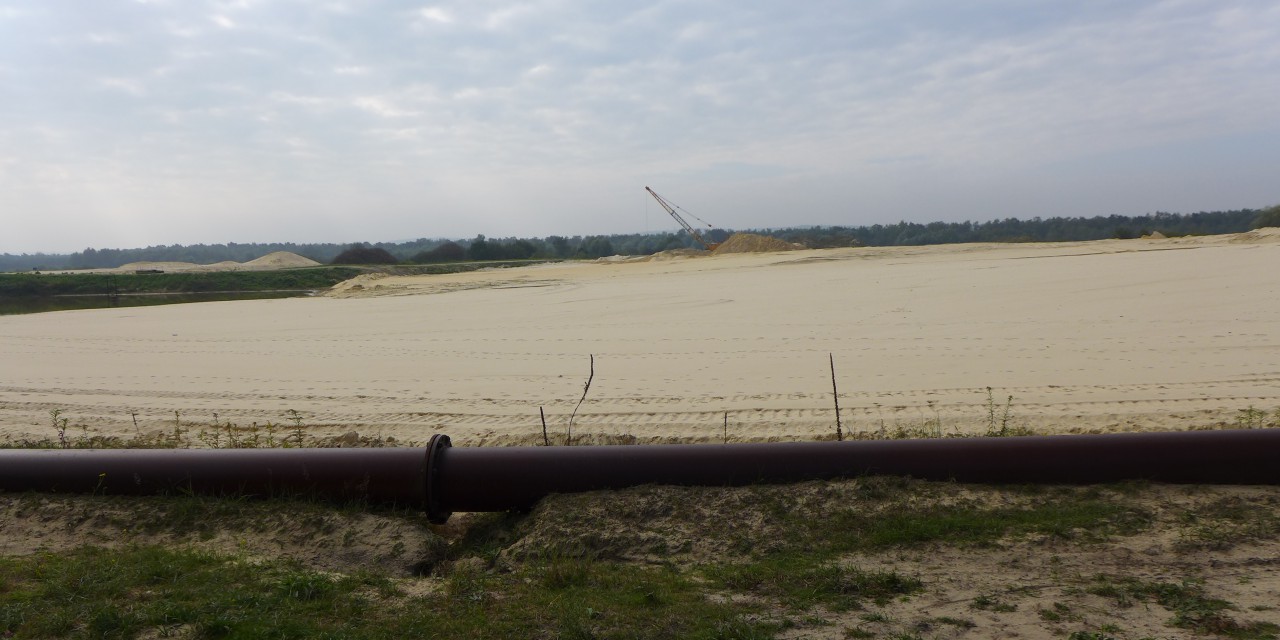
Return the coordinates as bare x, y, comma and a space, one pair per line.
129, 123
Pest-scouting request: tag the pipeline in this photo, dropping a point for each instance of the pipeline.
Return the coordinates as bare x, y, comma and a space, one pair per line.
441, 479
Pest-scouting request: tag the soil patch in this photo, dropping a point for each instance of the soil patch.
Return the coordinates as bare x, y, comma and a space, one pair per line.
317, 536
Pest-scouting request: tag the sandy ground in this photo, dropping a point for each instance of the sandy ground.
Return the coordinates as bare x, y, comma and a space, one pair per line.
1220, 539
1101, 336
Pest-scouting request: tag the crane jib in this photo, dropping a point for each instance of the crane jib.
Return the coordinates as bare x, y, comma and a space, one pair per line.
709, 246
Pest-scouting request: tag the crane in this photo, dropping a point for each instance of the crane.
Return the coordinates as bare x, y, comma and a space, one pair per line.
709, 246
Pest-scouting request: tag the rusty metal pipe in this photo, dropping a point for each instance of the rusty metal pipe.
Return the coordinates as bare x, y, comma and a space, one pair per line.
441, 479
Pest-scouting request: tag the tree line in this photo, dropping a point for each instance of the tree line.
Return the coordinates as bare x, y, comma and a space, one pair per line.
438, 250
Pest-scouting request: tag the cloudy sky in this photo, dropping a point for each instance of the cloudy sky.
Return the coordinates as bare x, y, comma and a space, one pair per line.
132, 123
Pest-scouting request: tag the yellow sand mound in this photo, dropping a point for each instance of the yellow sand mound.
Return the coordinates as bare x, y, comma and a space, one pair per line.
282, 260
753, 243
277, 260
1264, 235
160, 266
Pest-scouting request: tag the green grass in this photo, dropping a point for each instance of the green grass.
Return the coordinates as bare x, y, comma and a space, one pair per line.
17, 285
965, 525
97, 593
29, 285
500, 577
1228, 521
1191, 608
802, 581
879, 521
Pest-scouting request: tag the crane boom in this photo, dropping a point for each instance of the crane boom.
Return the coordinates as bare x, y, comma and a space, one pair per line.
709, 246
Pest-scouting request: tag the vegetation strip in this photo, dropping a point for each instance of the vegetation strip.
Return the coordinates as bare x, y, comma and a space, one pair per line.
794, 560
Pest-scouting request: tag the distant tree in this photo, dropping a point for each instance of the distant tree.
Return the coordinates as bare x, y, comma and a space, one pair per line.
361, 254
480, 249
595, 247
447, 252
520, 249
1269, 217
559, 246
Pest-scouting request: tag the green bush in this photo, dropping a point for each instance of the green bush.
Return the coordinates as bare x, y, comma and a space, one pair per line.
1269, 217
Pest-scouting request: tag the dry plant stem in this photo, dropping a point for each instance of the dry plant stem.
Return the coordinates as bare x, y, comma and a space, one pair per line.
835, 396
585, 388
543, 415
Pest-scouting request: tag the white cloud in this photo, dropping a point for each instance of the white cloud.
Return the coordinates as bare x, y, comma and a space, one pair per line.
383, 107
126, 85
412, 133
506, 17
285, 97
105, 38
843, 106
435, 14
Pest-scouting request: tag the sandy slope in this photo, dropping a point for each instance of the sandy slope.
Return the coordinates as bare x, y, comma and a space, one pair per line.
1112, 335
271, 261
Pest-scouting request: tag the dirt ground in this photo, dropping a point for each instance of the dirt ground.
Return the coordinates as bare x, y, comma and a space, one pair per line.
1221, 541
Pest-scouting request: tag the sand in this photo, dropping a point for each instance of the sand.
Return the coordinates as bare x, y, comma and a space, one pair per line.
1086, 337
271, 261
754, 243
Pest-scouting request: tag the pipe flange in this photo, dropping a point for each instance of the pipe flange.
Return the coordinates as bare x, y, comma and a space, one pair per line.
437, 444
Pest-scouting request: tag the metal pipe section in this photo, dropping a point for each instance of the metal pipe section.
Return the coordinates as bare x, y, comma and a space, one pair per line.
441, 479
488, 479
384, 476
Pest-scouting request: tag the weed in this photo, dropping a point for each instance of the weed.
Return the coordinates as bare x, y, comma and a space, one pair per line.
1229, 520
1058, 613
1252, 418
60, 425
1192, 609
991, 602
304, 585
298, 436
959, 623
802, 581
178, 434
1002, 426
568, 439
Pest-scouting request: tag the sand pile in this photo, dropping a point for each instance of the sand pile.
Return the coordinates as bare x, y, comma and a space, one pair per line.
1264, 235
276, 260
281, 260
162, 266
753, 243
